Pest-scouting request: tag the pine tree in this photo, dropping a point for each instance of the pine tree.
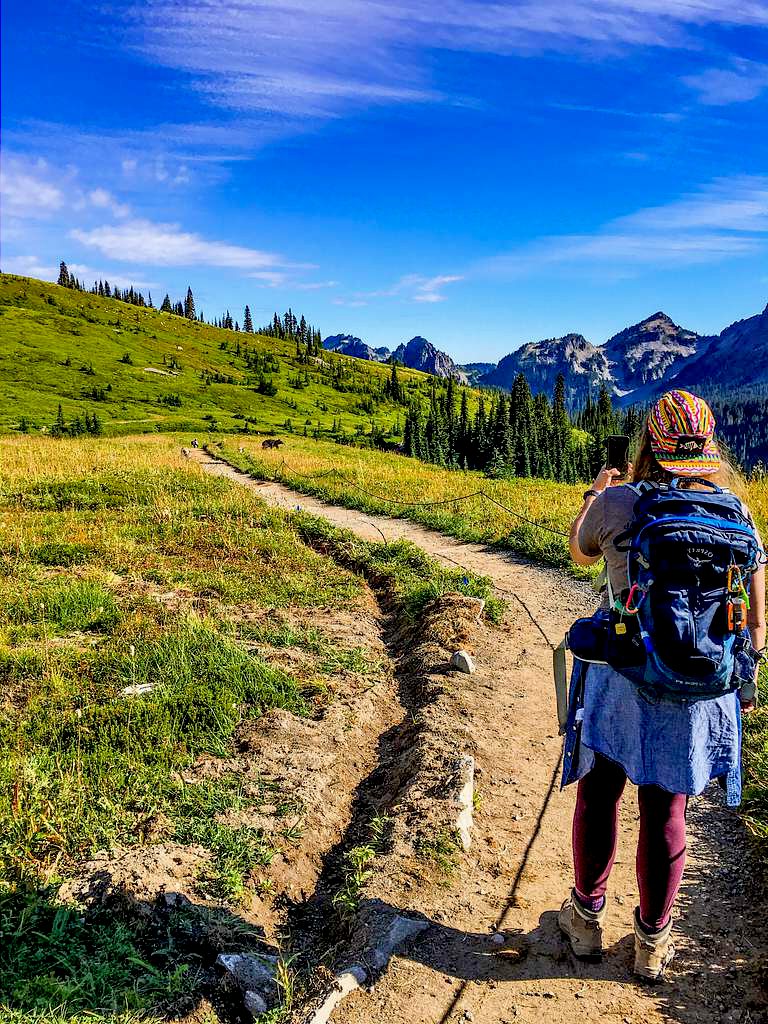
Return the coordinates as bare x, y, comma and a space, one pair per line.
107, 290
247, 321
59, 427
63, 275
166, 306
189, 305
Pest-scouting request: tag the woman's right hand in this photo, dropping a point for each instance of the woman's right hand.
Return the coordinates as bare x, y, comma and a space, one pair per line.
606, 478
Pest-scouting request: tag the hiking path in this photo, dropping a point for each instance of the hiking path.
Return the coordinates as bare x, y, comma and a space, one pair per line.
518, 869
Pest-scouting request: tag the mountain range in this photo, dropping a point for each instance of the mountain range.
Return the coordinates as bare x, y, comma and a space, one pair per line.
416, 354
635, 364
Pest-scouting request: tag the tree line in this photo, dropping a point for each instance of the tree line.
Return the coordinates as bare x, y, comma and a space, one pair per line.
287, 327
514, 435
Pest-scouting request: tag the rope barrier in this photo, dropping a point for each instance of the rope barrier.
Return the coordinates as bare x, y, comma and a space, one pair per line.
420, 504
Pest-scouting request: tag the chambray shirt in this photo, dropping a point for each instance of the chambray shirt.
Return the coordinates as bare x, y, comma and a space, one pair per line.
679, 747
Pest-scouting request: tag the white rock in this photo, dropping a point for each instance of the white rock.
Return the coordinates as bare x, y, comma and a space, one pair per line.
254, 1003
137, 689
250, 972
463, 662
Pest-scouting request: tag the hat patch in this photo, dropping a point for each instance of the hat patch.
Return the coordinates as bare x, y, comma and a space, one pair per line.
689, 445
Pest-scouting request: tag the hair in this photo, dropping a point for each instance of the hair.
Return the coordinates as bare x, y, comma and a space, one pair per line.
647, 467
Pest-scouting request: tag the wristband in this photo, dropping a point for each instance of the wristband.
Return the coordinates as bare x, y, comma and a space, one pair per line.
591, 493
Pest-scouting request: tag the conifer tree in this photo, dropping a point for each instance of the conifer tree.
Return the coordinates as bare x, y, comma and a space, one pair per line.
189, 305
247, 321
166, 304
63, 275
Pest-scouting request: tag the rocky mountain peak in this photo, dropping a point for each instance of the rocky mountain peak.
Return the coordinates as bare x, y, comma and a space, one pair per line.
420, 354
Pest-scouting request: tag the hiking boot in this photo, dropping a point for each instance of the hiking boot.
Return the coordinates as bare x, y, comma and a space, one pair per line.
653, 951
583, 928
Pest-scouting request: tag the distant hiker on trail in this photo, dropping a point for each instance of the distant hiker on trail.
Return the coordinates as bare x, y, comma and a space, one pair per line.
683, 618
194, 442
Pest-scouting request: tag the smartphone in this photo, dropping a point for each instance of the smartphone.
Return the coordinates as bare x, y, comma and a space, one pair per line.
618, 452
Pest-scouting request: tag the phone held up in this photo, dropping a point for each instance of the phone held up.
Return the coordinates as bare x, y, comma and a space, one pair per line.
618, 453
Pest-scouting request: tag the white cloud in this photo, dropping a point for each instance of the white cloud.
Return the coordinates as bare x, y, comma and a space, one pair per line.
103, 200
313, 286
317, 59
726, 219
26, 189
167, 245
412, 287
741, 81
430, 289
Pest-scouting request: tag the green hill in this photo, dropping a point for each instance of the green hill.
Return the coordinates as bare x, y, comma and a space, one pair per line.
136, 369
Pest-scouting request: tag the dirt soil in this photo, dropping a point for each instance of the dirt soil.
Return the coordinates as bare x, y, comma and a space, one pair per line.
518, 869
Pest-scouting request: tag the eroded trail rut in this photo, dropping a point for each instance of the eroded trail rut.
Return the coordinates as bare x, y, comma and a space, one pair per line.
518, 869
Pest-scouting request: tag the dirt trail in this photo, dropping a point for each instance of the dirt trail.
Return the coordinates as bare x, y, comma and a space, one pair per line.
518, 869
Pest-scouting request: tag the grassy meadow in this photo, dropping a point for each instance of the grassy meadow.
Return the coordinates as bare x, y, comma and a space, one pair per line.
139, 602
385, 482
141, 370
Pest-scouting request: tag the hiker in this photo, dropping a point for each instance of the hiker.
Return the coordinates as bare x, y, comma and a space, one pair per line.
195, 443
670, 748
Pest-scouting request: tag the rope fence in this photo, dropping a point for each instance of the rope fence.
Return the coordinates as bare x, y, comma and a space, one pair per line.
413, 504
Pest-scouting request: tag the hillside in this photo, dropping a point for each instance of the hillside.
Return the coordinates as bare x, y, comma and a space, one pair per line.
136, 369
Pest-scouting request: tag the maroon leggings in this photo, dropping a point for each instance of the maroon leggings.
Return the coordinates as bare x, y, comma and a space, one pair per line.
660, 847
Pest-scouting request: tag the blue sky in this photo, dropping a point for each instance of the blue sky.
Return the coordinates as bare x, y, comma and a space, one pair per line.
483, 174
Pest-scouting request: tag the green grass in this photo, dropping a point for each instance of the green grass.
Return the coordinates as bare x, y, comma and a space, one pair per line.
52, 334
61, 966
94, 536
409, 575
122, 568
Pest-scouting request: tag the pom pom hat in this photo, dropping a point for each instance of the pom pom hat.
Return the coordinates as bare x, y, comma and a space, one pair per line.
682, 430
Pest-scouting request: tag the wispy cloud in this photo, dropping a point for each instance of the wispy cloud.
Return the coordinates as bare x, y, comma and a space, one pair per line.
34, 189
26, 189
726, 219
411, 287
168, 245
429, 289
317, 59
741, 81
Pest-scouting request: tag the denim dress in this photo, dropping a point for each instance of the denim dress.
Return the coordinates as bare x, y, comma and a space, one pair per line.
679, 747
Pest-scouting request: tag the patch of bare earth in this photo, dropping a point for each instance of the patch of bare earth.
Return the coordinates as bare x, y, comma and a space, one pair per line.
519, 867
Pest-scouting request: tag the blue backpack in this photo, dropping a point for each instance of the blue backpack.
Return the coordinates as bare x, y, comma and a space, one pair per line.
680, 631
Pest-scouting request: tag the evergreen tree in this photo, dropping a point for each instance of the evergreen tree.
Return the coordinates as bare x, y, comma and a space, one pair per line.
247, 321
63, 275
166, 304
59, 427
189, 305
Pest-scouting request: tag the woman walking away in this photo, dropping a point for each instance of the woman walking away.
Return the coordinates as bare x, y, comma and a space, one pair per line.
670, 718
